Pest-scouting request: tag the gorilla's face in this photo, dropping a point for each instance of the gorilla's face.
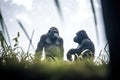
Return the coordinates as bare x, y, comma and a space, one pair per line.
81, 35
76, 39
53, 34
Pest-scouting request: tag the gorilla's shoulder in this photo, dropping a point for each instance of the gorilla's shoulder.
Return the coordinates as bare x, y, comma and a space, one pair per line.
61, 39
44, 36
87, 42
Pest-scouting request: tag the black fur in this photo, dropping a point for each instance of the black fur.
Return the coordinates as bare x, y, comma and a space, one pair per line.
52, 43
84, 43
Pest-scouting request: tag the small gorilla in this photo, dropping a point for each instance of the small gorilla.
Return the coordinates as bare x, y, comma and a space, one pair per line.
85, 47
52, 44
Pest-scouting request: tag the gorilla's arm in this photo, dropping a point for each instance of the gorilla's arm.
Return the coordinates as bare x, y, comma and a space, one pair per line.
85, 44
40, 45
70, 53
61, 47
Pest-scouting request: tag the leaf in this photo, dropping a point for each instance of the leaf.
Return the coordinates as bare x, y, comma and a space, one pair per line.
15, 39
1, 35
15, 45
18, 35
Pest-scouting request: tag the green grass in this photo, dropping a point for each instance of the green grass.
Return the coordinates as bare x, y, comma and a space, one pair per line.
17, 63
56, 70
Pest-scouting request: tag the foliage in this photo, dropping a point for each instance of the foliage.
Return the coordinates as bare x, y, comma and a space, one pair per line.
15, 59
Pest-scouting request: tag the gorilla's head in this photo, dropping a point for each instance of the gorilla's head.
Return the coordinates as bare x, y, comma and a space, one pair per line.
80, 35
53, 33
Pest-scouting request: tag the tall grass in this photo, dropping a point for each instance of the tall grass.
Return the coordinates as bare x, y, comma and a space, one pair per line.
95, 18
58, 6
103, 57
5, 32
24, 30
18, 59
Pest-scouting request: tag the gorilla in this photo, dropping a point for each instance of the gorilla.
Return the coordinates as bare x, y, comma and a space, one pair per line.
52, 44
85, 46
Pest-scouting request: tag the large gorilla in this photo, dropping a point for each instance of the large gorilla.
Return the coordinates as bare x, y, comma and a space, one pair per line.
52, 44
85, 47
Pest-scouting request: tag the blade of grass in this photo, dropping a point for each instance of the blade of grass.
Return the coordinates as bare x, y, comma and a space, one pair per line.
106, 50
1, 19
95, 19
98, 56
59, 9
3, 41
7, 33
4, 27
30, 42
20, 24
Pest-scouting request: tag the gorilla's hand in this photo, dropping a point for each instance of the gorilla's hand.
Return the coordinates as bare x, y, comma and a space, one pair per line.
69, 57
70, 53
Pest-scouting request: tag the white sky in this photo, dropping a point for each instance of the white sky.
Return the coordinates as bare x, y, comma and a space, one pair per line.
40, 15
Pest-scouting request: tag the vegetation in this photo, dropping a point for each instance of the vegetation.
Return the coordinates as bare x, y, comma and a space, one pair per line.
14, 61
